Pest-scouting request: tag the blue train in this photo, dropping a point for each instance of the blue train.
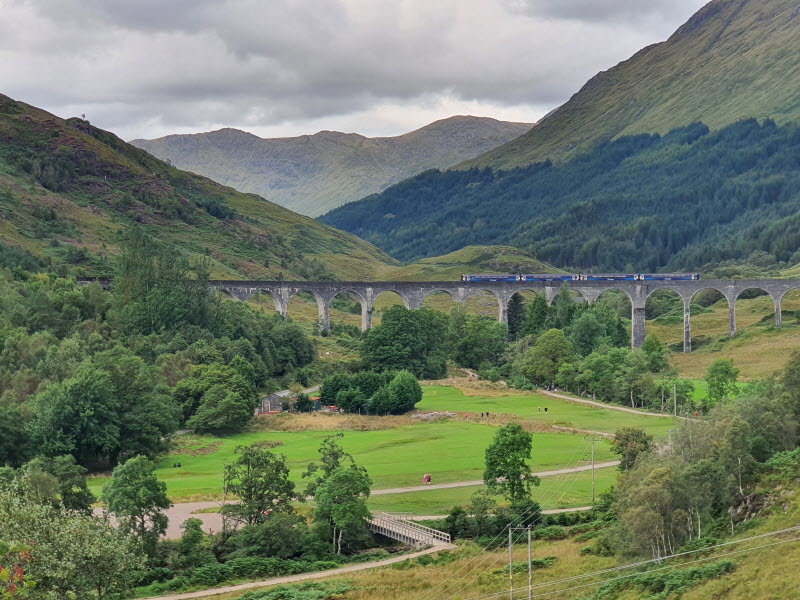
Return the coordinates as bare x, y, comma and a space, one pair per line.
595, 277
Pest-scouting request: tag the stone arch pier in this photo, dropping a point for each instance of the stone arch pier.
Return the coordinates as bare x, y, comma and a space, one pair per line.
414, 293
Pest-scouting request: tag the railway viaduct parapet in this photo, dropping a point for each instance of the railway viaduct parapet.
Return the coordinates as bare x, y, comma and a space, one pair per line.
414, 293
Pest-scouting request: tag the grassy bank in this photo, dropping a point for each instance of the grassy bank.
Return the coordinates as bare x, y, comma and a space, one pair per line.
529, 405
397, 457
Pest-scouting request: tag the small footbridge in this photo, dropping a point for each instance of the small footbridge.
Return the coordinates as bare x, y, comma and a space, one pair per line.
400, 527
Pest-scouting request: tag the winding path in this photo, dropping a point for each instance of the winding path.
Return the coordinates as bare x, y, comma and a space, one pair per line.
303, 576
178, 513
605, 405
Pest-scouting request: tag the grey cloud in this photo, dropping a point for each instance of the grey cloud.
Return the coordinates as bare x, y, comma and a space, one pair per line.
619, 11
153, 64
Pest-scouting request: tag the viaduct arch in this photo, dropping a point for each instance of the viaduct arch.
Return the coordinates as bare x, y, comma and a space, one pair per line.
414, 293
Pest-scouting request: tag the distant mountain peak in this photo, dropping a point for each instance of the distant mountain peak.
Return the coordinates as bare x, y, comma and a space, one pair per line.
315, 173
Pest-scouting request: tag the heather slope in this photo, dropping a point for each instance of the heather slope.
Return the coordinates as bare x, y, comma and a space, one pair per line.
734, 59
313, 174
67, 190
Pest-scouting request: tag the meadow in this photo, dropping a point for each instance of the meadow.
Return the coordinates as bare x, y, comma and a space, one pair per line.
561, 491
398, 457
397, 451
530, 405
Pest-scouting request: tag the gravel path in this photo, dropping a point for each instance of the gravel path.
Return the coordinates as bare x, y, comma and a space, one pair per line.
303, 576
552, 511
603, 404
213, 521
458, 484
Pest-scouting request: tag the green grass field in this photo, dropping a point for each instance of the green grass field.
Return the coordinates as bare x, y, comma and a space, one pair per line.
399, 456
560, 491
528, 405
450, 451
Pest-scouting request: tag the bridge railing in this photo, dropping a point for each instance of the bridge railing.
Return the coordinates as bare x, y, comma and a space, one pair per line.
394, 525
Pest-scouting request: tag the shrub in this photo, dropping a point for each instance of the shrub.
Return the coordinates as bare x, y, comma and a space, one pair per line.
783, 466
157, 574
664, 584
553, 532
311, 590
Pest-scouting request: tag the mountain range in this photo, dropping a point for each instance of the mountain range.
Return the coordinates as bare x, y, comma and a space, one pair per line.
734, 59
640, 203
69, 190
312, 174
682, 156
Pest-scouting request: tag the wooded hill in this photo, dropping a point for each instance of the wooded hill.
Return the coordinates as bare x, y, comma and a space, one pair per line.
734, 59
643, 202
67, 190
312, 174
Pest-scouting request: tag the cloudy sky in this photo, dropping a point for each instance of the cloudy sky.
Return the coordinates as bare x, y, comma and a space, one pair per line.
146, 68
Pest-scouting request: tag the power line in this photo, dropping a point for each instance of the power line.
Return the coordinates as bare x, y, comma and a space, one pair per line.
519, 518
632, 565
585, 585
494, 561
491, 543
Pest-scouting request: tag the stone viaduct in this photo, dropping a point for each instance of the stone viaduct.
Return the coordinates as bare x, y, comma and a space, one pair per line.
414, 293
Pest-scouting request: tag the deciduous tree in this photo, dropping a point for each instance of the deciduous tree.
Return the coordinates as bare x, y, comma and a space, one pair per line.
137, 499
628, 444
260, 479
721, 378
507, 470
542, 362
342, 501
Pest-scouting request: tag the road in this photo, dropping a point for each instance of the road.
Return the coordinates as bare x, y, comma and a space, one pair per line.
303, 576
178, 513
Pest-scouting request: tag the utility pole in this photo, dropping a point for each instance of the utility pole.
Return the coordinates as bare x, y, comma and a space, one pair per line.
530, 566
510, 565
511, 561
593, 440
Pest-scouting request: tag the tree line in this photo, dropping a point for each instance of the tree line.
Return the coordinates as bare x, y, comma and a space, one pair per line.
104, 376
580, 347
55, 547
690, 198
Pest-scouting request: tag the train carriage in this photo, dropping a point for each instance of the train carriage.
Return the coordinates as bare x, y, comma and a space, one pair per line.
549, 277
560, 277
489, 278
607, 277
668, 277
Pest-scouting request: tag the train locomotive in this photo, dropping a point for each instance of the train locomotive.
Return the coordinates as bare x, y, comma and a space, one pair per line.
555, 277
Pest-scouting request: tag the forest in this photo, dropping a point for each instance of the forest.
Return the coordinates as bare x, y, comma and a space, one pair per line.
102, 377
645, 203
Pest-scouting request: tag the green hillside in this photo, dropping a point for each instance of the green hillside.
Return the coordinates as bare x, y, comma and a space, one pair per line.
472, 259
67, 189
734, 59
312, 174
688, 200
